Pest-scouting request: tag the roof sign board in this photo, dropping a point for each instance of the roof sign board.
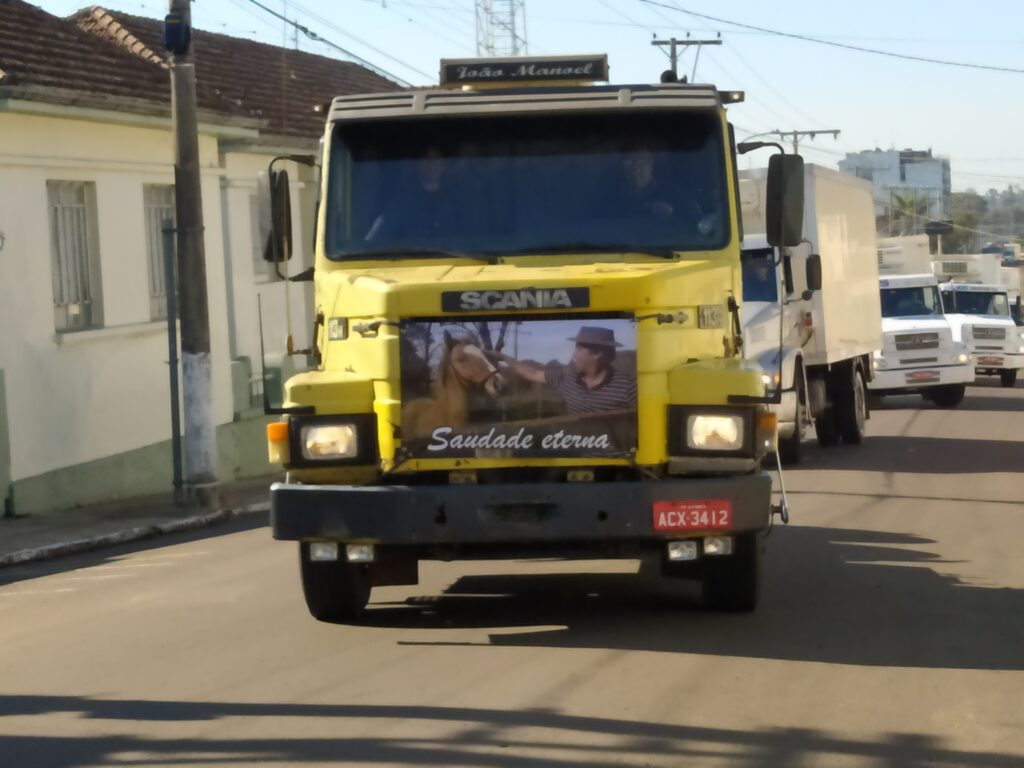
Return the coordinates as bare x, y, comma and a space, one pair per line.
524, 69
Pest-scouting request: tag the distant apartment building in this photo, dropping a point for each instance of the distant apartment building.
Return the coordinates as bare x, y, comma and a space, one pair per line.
915, 174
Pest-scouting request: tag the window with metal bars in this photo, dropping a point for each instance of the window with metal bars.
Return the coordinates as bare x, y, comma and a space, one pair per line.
74, 249
158, 202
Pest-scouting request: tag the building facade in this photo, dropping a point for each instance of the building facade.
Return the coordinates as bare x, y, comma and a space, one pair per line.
86, 182
914, 176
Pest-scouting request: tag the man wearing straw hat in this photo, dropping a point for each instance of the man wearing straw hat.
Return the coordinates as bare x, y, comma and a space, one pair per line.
590, 383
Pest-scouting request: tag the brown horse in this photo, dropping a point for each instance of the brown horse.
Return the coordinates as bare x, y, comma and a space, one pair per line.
464, 367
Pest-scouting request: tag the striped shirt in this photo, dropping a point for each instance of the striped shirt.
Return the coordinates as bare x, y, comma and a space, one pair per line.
617, 391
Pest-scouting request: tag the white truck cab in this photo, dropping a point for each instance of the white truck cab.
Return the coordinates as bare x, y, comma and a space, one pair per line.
980, 317
919, 354
978, 307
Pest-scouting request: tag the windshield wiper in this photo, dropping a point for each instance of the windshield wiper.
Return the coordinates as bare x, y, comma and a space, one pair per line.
579, 246
416, 253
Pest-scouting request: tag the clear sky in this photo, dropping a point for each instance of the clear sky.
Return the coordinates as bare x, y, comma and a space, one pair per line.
973, 116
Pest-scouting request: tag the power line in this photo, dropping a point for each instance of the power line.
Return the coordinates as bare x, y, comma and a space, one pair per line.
331, 25
460, 43
320, 39
834, 44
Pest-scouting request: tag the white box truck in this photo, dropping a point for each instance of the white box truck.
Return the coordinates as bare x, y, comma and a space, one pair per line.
919, 354
818, 303
978, 307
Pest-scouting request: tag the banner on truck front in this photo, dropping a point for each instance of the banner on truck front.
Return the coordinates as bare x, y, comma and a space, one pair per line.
507, 388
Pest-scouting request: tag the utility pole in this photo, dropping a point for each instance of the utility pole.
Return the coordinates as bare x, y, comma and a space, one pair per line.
200, 438
674, 54
795, 136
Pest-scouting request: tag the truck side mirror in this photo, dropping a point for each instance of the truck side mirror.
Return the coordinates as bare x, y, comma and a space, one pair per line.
814, 272
273, 200
784, 206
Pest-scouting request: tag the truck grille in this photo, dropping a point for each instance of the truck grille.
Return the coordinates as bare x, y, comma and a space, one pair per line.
918, 360
909, 341
989, 333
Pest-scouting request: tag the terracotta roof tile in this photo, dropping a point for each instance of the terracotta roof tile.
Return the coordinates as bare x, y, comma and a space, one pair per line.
276, 84
38, 50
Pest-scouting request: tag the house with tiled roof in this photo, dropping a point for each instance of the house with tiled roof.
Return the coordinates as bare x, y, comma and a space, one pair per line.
86, 180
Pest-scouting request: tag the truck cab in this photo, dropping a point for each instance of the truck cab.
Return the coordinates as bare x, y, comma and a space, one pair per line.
919, 354
978, 306
980, 318
527, 335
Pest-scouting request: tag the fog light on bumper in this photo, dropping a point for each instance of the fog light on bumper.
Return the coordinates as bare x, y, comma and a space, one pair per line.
682, 550
718, 545
359, 553
323, 551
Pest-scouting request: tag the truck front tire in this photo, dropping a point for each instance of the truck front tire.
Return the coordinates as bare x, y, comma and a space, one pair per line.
827, 428
732, 583
335, 590
948, 395
789, 447
1008, 378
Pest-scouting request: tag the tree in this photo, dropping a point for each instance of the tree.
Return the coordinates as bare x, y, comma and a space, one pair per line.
908, 212
968, 210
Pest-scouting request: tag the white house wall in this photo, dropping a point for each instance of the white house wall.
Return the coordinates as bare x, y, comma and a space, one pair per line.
81, 396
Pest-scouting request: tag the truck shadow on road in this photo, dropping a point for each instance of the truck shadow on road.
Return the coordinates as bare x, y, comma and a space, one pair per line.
451, 736
936, 455
831, 595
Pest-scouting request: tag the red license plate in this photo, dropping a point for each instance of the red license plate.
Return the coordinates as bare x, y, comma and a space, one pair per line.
990, 361
922, 376
692, 515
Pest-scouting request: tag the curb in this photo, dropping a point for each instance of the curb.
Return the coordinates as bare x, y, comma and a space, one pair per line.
130, 534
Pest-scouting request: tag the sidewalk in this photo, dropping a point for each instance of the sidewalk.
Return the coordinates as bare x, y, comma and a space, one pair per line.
53, 534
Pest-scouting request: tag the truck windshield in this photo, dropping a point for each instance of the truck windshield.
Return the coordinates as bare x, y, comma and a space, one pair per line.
911, 302
759, 280
977, 303
503, 185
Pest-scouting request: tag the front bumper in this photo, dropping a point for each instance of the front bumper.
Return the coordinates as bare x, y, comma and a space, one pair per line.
920, 377
506, 514
990, 361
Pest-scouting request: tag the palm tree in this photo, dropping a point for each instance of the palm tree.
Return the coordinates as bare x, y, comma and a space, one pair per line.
908, 212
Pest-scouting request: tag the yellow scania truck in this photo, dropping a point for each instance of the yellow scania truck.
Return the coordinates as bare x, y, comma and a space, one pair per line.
527, 291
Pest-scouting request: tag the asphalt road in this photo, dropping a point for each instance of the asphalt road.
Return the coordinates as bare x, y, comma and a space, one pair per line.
891, 633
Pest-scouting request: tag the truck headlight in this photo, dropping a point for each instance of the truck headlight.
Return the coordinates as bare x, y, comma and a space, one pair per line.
714, 433
962, 358
329, 441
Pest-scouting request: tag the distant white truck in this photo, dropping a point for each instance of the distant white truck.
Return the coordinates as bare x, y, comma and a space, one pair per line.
919, 354
818, 303
978, 307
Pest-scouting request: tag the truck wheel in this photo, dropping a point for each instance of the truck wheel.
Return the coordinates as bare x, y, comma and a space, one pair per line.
789, 447
335, 590
732, 582
852, 409
1008, 378
826, 428
948, 396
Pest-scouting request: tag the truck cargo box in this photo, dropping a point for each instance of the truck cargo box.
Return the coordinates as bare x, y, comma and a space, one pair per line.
839, 223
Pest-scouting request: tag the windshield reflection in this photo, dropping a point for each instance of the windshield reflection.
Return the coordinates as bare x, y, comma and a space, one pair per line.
911, 302
977, 303
521, 184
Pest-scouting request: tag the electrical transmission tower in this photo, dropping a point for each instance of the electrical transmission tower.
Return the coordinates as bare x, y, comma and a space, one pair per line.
501, 28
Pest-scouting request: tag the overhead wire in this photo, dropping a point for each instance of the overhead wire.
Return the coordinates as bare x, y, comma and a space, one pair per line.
334, 27
309, 33
836, 44
459, 43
